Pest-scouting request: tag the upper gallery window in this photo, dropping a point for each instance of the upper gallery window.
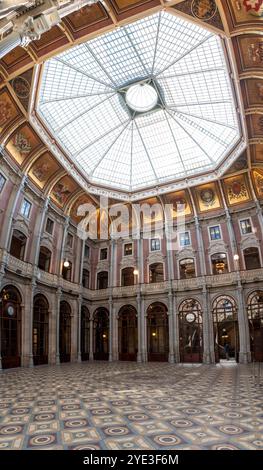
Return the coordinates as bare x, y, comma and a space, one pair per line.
86, 251
103, 253
25, 208
49, 226
185, 239
69, 240
155, 244
127, 249
2, 181
215, 233
245, 226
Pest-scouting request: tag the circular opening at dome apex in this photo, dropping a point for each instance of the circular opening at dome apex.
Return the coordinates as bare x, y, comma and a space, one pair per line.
141, 97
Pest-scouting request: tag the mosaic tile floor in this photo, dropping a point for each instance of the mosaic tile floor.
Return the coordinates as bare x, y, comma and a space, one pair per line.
131, 406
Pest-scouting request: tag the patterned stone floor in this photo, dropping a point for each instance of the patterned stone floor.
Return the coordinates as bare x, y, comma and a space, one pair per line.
131, 406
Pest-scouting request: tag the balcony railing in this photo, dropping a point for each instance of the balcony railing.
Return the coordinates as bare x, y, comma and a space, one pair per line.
27, 270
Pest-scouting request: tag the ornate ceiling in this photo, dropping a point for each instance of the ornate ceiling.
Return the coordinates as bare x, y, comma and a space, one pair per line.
239, 21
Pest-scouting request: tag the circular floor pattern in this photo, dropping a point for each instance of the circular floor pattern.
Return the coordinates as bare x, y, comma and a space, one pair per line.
231, 430
75, 423
9, 430
116, 431
181, 423
167, 440
42, 440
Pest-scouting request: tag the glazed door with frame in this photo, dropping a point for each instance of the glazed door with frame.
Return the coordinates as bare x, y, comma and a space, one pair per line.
128, 334
101, 334
191, 332
10, 323
40, 330
157, 333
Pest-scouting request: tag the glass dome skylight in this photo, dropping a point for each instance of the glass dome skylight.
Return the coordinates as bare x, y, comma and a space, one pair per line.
143, 105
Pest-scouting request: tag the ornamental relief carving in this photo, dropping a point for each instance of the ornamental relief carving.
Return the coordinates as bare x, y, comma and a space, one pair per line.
249, 241
155, 258
217, 247
127, 261
22, 225
185, 253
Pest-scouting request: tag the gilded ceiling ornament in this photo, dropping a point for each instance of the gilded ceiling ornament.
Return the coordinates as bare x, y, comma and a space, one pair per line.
260, 90
6, 111
21, 87
255, 7
237, 190
255, 52
207, 196
204, 9
180, 201
22, 143
259, 183
260, 123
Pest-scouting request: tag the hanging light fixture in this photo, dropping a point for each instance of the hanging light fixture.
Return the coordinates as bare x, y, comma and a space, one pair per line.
66, 263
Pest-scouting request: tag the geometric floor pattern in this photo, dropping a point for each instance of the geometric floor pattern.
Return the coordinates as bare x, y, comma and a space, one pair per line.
130, 406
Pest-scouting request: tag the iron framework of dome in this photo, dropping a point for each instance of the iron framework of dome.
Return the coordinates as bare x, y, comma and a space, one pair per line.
190, 128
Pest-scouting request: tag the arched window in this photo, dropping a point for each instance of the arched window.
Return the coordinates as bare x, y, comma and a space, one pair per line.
64, 332
40, 330
10, 324
255, 317
252, 258
44, 258
226, 333
18, 245
127, 277
219, 263
191, 331
102, 280
156, 273
187, 268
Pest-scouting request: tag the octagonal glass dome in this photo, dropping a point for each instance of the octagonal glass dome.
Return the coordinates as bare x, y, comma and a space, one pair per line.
186, 123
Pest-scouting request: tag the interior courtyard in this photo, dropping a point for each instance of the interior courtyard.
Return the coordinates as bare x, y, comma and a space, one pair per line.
131, 225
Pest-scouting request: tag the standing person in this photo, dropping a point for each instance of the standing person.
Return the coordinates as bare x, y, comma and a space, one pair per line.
226, 348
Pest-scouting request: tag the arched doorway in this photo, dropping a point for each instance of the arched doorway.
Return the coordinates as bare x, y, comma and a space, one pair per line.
226, 334
84, 346
128, 333
10, 317
157, 332
64, 332
255, 317
191, 331
101, 334
40, 330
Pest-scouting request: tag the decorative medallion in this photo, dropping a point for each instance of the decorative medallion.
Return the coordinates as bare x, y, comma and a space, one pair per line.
237, 190
22, 143
204, 9
41, 171
255, 7
207, 197
21, 87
